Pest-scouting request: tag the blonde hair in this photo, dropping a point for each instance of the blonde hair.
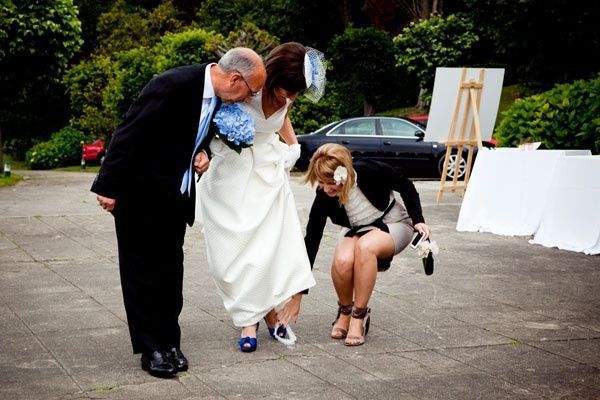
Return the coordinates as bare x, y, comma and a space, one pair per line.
323, 164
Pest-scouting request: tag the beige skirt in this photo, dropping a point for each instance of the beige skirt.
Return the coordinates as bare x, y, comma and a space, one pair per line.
401, 230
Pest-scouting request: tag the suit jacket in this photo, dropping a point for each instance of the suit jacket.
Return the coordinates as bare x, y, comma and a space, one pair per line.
152, 148
376, 180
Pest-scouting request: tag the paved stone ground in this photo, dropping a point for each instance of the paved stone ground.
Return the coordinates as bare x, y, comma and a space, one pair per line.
499, 319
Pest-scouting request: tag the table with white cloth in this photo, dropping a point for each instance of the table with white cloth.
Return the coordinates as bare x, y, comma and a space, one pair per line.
509, 189
571, 218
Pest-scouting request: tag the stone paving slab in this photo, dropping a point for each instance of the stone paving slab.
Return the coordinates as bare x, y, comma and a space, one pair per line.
499, 319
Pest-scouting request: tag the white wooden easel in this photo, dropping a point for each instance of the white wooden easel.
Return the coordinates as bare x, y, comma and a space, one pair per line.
458, 139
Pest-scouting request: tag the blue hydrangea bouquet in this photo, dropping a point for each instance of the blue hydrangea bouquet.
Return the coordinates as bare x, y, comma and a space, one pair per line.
236, 127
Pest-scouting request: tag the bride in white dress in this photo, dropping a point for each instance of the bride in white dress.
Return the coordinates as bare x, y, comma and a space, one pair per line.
253, 236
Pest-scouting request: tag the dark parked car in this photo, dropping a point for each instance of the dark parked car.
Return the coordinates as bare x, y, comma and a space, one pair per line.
397, 141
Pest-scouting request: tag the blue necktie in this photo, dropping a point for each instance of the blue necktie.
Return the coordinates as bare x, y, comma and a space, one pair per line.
186, 182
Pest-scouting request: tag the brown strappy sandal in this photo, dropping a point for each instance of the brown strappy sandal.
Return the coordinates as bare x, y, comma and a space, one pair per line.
365, 315
337, 332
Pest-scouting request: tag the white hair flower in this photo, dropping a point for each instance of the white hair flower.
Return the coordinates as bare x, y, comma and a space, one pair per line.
340, 175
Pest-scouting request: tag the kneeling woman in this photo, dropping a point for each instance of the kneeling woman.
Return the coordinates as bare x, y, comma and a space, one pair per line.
359, 196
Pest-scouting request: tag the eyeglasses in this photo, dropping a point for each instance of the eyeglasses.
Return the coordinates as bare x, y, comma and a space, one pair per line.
251, 92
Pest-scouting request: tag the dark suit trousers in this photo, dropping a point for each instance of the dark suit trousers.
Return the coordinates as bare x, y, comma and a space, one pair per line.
150, 235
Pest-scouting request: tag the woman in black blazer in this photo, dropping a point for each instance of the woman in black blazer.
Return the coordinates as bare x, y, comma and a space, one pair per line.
359, 196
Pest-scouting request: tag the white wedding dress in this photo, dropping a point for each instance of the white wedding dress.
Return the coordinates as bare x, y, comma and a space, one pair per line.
254, 240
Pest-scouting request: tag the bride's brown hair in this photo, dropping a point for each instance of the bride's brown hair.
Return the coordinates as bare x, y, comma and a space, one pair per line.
285, 68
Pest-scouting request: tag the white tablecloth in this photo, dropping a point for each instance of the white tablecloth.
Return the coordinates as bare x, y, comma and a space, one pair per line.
571, 219
508, 190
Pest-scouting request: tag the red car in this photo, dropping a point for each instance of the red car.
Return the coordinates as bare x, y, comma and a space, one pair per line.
93, 152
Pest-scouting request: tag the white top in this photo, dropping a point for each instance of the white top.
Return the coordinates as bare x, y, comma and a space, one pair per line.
359, 209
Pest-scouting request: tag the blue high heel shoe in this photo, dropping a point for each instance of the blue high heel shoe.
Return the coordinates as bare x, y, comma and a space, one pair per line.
247, 340
281, 330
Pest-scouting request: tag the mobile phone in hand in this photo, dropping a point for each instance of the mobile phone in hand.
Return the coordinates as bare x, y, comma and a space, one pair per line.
416, 240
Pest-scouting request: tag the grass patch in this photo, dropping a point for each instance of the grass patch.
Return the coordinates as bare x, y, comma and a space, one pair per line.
9, 180
77, 168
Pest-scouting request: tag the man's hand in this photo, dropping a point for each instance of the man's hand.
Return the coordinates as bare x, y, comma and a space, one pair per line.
107, 203
201, 162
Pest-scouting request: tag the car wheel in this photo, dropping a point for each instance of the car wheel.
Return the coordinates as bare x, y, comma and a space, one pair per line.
449, 173
101, 159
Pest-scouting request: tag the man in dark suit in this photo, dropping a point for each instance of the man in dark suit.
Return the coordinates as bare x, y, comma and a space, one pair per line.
146, 182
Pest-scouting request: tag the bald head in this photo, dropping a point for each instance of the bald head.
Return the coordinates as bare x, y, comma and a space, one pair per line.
239, 75
242, 60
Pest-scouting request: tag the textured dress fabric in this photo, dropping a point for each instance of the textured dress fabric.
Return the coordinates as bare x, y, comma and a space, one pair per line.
254, 240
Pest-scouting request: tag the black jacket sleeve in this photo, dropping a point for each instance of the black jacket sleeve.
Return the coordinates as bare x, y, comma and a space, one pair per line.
316, 225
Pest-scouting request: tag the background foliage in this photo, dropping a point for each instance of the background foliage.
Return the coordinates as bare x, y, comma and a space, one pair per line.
80, 63
38, 39
566, 117
63, 148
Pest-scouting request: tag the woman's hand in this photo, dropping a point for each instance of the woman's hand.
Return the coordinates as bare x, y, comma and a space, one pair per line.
290, 310
292, 155
424, 229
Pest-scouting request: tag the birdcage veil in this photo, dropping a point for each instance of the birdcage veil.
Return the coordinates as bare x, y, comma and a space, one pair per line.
314, 73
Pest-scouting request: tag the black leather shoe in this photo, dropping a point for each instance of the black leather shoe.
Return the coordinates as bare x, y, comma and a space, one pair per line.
177, 358
158, 364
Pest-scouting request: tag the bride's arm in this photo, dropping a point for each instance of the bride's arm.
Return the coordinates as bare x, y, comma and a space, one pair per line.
293, 148
287, 132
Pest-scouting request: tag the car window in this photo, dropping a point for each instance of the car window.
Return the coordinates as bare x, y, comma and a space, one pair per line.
356, 127
397, 127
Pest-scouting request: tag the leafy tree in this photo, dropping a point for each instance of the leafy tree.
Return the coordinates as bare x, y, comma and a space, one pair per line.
540, 42
188, 9
86, 83
89, 12
38, 39
103, 88
393, 16
123, 28
249, 35
432, 43
165, 18
182, 48
363, 66
274, 16
132, 70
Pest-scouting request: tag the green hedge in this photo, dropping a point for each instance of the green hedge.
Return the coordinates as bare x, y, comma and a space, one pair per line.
62, 149
566, 117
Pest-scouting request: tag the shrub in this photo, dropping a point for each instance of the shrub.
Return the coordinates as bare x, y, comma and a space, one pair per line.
307, 116
566, 117
182, 48
133, 69
63, 148
86, 81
